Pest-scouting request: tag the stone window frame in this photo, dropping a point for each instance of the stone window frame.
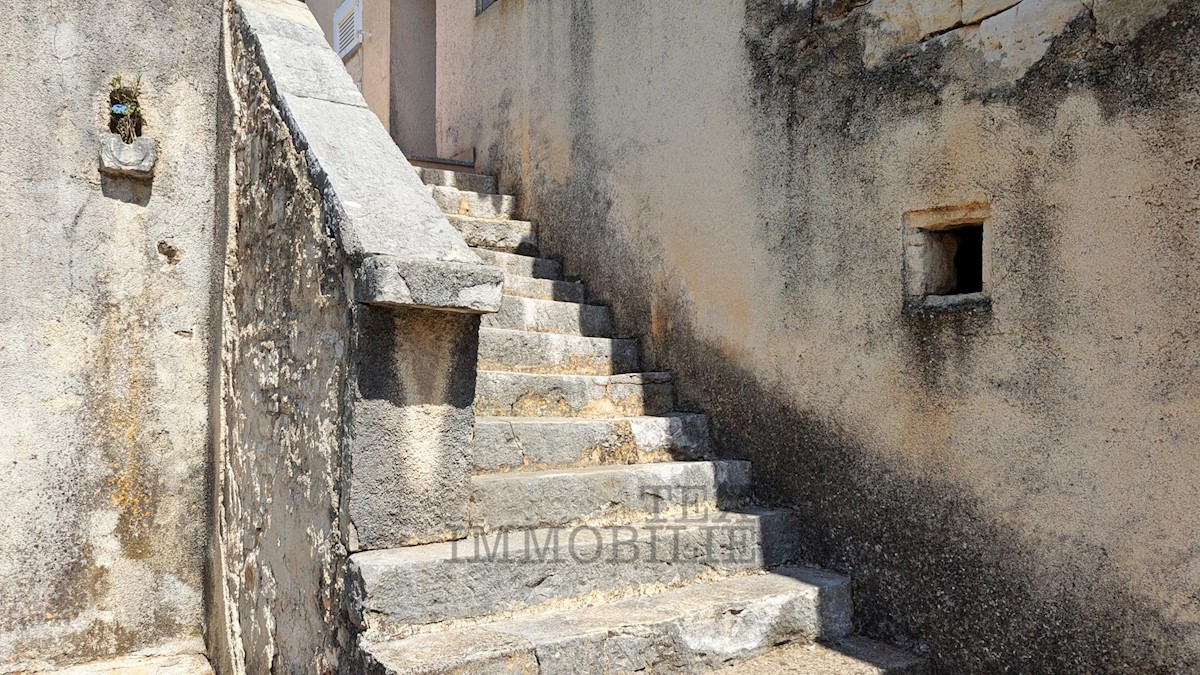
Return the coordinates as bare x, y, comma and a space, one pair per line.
919, 226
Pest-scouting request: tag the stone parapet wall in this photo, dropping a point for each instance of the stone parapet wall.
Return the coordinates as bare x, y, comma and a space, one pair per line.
350, 322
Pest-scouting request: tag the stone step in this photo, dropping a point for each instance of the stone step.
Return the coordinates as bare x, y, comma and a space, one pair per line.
607, 495
532, 352
475, 182
506, 394
536, 443
549, 316
141, 663
845, 656
543, 289
468, 203
513, 236
687, 630
521, 265
397, 589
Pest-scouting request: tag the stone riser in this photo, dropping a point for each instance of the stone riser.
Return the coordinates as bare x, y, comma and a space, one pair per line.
500, 394
547, 316
521, 265
468, 203
522, 444
475, 182
533, 352
543, 289
511, 236
606, 494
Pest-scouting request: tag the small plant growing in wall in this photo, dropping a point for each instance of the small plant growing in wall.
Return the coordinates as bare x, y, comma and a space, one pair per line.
125, 113
124, 152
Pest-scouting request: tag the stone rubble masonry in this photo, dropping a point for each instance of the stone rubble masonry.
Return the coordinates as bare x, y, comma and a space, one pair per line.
351, 315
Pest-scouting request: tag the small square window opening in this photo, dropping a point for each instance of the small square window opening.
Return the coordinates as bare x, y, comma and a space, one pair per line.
945, 257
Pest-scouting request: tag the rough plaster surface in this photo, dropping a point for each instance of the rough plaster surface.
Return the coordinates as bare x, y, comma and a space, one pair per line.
105, 290
1011, 488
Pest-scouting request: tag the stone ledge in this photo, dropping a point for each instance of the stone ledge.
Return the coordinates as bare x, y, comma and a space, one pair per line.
372, 198
431, 284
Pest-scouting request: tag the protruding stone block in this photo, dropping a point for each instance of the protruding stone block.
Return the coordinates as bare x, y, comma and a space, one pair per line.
128, 160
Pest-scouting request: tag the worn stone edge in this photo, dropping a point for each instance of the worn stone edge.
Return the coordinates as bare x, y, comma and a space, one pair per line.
452, 286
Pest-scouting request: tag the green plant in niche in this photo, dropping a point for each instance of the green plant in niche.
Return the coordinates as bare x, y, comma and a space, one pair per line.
125, 113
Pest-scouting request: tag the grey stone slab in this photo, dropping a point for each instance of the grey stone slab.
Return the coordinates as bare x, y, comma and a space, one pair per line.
159, 664
128, 160
298, 68
535, 352
462, 180
513, 236
544, 289
550, 316
435, 284
470, 203
607, 494
501, 572
371, 194
463, 651
684, 630
532, 443
504, 394
521, 265
410, 468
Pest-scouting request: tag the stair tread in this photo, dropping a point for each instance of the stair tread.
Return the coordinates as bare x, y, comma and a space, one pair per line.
505, 235
476, 182
520, 444
551, 316
644, 377
847, 656
544, 289
525, 351
524, 224
455, 200
585, 471
593, 339
555, 567
711, 622
511, 263
581, 420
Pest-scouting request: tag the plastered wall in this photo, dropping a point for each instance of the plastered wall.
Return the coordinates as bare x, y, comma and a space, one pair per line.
106, 293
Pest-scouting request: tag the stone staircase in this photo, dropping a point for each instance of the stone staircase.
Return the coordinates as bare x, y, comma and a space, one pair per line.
606, 538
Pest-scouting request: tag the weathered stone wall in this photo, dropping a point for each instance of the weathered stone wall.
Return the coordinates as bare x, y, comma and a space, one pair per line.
286, 378
1010, 487
349, 343
106, 285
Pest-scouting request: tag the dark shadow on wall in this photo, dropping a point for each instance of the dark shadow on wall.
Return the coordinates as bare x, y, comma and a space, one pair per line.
127, 190
934, 570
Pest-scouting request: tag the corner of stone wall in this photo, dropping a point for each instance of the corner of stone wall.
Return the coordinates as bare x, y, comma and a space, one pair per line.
350, 322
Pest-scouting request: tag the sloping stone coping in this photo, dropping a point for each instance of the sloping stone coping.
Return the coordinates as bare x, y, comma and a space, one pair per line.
405, 251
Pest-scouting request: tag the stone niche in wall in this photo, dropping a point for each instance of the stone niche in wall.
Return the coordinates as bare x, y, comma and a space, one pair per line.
946, 260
